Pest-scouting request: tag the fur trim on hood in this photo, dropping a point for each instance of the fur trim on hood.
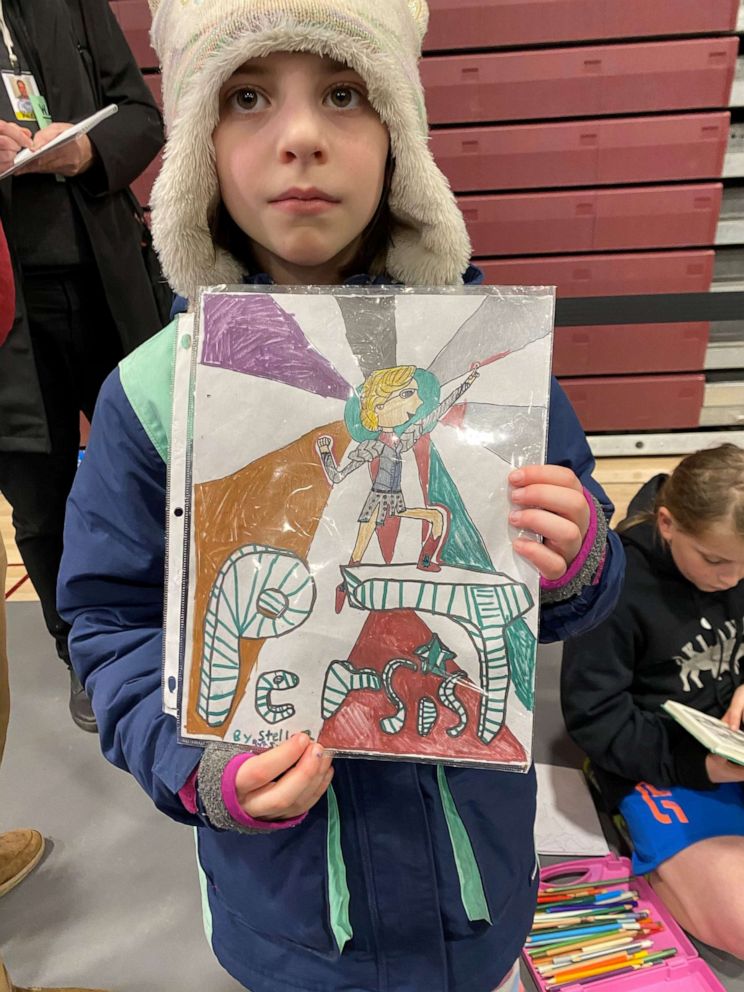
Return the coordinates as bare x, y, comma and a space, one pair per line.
202, 42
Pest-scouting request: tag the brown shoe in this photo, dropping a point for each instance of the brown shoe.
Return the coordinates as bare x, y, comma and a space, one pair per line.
7, 986
20, 853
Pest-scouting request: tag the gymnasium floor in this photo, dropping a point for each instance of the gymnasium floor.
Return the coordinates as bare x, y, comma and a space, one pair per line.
115, 903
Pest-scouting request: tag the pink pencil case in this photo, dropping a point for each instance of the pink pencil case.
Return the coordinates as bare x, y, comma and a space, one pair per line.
683, 973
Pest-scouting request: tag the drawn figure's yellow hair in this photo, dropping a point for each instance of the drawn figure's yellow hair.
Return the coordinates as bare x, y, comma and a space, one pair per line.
378, 388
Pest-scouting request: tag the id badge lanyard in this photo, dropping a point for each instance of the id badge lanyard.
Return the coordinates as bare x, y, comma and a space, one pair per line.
8, 42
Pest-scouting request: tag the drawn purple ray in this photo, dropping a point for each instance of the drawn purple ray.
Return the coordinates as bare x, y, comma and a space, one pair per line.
251, 333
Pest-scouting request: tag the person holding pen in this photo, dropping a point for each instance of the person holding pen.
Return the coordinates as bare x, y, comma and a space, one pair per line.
84, 295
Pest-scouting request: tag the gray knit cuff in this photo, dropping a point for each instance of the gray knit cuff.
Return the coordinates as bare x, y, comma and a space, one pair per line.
593, 560
215, 759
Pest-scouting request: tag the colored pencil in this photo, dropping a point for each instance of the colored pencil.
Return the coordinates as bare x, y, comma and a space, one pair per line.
559, 946
627, 969
573, 921
594, 899
637, 951
549, 911
563, 919
581, 946
566, 959
568, 897
589, 899
557, 919
591, 931
565, 923
556, 912
580, 931
649, 962
576, 974
589, 968
602, 883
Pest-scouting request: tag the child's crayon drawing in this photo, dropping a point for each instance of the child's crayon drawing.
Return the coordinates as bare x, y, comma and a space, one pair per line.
347, 554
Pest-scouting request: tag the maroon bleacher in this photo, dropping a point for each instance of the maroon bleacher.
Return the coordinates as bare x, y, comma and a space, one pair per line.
593, 220
143, 185
637, 403
134, 19
592, 167
616, 349
583, 153
500, 23
580, 82
623, 274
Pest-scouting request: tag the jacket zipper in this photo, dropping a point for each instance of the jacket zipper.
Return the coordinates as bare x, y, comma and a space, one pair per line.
363, 846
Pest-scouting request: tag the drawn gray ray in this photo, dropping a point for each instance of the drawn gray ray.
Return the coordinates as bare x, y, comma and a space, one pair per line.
500, 324
370, 330
513, 429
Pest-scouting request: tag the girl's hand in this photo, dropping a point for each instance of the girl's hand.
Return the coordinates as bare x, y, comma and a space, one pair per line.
286, 781
550, 501
720, 770
12, 139
735, 713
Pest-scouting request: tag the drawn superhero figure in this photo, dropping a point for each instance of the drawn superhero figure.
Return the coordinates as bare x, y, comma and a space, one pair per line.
389, 398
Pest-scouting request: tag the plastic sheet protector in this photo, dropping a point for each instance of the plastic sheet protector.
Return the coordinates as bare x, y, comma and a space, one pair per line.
340, 556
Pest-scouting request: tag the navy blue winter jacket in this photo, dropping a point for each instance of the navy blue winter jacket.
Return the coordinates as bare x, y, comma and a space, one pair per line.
432, 907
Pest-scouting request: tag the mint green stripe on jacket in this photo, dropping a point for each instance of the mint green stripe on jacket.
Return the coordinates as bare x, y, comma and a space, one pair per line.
338, 890
206, 911
472, 892
147, 380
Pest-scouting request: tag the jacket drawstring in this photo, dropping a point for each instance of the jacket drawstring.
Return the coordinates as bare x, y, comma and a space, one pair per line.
8, 41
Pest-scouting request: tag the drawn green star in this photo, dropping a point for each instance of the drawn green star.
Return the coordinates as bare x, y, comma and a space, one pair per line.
434, 656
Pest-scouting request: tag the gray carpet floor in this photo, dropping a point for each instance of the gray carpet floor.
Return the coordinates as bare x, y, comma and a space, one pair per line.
115, 903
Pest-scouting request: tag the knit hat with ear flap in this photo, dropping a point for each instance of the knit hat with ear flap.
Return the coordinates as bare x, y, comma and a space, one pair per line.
202, 42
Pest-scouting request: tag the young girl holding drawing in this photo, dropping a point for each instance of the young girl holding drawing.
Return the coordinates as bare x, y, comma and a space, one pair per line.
676, 634
298, 155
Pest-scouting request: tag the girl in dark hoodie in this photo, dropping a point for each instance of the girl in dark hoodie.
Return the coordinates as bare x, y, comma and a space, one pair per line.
675, 634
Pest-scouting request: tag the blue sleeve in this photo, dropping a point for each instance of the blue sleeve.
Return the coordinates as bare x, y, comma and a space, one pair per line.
567, 445
111, 591
180, 305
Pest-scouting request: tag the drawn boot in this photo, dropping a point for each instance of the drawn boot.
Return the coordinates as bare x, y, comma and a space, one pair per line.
426, 560
341, 590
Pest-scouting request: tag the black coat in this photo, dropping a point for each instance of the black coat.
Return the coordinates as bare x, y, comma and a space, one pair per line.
82, 61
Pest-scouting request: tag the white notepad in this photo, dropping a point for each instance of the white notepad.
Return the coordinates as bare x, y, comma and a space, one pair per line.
26, 155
